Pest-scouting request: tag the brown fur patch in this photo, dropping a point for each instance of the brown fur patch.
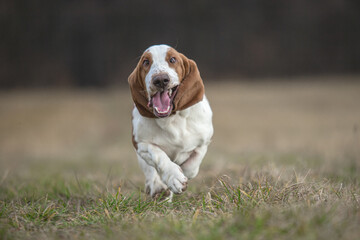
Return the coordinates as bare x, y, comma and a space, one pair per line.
132, 134
191, 89
137, 85
134, 142
179, 65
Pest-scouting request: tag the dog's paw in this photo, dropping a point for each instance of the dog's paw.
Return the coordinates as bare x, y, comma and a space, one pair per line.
175, 179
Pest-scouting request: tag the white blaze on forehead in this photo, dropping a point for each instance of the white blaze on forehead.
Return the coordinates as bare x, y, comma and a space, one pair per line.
160, 65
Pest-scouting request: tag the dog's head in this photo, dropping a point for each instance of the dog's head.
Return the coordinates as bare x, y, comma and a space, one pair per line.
165, 81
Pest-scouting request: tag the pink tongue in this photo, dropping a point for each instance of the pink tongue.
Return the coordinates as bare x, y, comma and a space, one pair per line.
161, 100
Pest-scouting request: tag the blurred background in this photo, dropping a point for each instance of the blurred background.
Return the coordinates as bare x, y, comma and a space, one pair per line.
282, 78
97, 43
283, 81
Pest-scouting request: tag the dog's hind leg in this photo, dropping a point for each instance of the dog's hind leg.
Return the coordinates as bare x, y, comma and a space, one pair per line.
191, 166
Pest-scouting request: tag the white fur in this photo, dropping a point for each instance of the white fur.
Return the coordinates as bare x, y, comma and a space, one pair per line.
170, 150
159, 65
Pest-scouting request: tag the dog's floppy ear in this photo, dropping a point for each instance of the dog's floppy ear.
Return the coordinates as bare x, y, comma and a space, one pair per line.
139, 93
191, 89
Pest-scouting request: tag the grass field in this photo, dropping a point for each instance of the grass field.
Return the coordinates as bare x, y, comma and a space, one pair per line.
284, 164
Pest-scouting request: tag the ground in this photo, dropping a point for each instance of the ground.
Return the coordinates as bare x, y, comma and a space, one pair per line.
284, 163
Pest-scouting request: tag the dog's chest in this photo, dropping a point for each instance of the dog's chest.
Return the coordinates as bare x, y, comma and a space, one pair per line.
179, 137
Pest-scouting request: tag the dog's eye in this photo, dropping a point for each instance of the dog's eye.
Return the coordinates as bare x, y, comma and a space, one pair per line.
172, 60
146, 63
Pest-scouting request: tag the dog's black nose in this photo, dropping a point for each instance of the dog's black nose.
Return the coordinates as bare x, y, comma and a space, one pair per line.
161, 80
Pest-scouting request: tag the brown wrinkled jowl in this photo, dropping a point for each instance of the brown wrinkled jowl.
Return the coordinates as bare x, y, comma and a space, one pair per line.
190, 91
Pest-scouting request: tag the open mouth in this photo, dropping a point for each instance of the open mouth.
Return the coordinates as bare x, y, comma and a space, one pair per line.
162, 102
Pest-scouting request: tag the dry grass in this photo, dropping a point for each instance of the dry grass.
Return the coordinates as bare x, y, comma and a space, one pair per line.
284, 163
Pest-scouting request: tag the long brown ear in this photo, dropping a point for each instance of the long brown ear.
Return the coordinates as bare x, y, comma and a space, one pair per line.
191, 89
139, 93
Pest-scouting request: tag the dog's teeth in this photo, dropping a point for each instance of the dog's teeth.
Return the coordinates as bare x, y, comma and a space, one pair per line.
167, 110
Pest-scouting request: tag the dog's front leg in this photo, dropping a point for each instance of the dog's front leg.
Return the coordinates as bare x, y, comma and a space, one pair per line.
171, 174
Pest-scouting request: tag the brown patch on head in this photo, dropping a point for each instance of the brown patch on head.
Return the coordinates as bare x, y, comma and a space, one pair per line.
138, 87
180, 66
191, 88
145, 63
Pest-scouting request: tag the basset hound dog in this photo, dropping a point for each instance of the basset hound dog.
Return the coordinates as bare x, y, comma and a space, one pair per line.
171, 119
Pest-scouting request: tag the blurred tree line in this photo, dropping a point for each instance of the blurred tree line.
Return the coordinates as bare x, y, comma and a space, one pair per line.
97, 43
